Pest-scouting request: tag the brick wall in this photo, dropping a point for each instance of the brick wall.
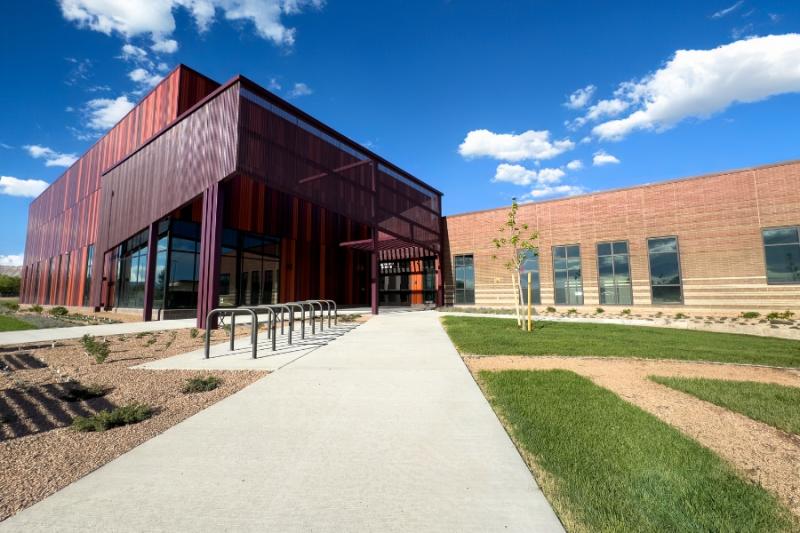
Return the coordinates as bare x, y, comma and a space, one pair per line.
717, 218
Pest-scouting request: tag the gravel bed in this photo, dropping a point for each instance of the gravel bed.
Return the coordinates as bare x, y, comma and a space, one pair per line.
41, 454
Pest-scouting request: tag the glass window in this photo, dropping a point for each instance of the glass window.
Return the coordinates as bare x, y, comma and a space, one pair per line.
465, 279
568, 281
614, 273
665, 270
782, 254
530, 263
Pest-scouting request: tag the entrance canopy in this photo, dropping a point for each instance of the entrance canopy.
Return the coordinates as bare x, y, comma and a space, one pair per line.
389, 247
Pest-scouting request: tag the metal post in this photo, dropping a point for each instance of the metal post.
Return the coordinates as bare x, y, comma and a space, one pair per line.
374, 272
233, 328
530, 283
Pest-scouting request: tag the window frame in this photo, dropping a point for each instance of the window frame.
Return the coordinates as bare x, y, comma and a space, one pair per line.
630, 273
538, 280
566, 256
455, 284
680, 269
764, 252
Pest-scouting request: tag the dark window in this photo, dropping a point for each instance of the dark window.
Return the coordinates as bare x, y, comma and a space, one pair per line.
530, 263
131, 267
567, 278
464, 269
665, 270
614, 273
87, 287
782, 254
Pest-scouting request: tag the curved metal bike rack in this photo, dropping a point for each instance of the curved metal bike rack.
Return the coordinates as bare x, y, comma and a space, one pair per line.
232, 312
302, 317
335, 312
321, 313
271, 320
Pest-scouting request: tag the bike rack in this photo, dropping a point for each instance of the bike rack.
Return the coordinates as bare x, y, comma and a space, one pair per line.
232, 312
271, 320
321, 313
302, 317
330, 303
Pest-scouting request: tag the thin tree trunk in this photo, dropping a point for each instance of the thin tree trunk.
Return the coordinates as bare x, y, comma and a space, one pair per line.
516, 300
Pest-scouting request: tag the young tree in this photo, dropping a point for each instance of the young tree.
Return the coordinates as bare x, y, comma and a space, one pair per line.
514, 243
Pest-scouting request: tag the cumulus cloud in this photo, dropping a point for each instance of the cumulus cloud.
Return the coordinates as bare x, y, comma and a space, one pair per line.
155, 18
133, 53
50, 156
519, 175
21, 187
534, 145
575, 164
300, 89
11, 260
581, 97
144, 77
103, 113
544, 191
601, 158
699, 83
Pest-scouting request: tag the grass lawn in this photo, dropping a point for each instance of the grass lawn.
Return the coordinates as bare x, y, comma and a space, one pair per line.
8, 323
606, 465
498, 336
776, 405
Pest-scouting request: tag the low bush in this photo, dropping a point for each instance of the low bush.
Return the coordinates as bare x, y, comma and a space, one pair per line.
119, 416
78, 392
349, 317
11, 306
572, 311
36, 308
599, 311
626, 312
751, 314
551, 309
99, 350
201, 384
679, 316
194, 332
59, 310
784, 315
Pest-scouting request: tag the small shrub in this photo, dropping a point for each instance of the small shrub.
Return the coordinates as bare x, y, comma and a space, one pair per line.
151, 341
59, 310
626, 312
142, 334
194, 332
785, 315
679, 316
11, 306
198, 384
99, 350
659, 314
599, 311
349, 318
36, 308
80, 392
572, 311
551, 309
120, 416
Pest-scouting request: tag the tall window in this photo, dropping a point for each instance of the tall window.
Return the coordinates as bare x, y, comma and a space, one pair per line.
665, 270
530, 263
614, 273
465, 279
782, 254
567, 275
87, 288
131, 267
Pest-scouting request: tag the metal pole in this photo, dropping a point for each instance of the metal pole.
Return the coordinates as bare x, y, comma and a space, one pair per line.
208, 335
530, 283
254, 333
233, 327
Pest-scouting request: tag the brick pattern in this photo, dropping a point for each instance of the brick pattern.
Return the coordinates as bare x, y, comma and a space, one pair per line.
717, 218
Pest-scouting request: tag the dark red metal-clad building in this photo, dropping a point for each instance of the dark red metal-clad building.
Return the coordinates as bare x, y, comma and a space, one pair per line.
209, 195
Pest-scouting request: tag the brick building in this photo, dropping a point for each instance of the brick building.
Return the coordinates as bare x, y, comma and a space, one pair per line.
725, 241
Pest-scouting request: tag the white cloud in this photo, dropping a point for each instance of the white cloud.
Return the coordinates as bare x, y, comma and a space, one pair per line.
20, 187
300, 89
519, 175
575, 164
50, 156
103, 113
144, 77
165, 46
581, 97
699, 83
728, 10
11, 260
133, 53
531, 144
155, 18
274, 84
601, 158
543, 191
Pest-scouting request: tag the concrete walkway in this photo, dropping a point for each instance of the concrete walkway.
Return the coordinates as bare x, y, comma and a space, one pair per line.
383, 429
59, 334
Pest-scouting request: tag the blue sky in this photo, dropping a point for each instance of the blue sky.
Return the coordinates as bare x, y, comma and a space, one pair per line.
484, 100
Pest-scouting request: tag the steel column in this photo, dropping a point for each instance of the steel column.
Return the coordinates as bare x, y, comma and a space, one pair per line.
210, 255
149, 276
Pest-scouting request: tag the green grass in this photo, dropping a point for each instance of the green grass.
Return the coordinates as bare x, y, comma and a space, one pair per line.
606, 465
8, 323
496, 336
776, 405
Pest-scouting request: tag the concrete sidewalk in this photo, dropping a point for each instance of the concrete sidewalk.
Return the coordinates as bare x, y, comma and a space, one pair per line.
59, 334
383, 429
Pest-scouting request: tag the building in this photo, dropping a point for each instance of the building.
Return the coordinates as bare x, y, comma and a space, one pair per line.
725, 241
209, 195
